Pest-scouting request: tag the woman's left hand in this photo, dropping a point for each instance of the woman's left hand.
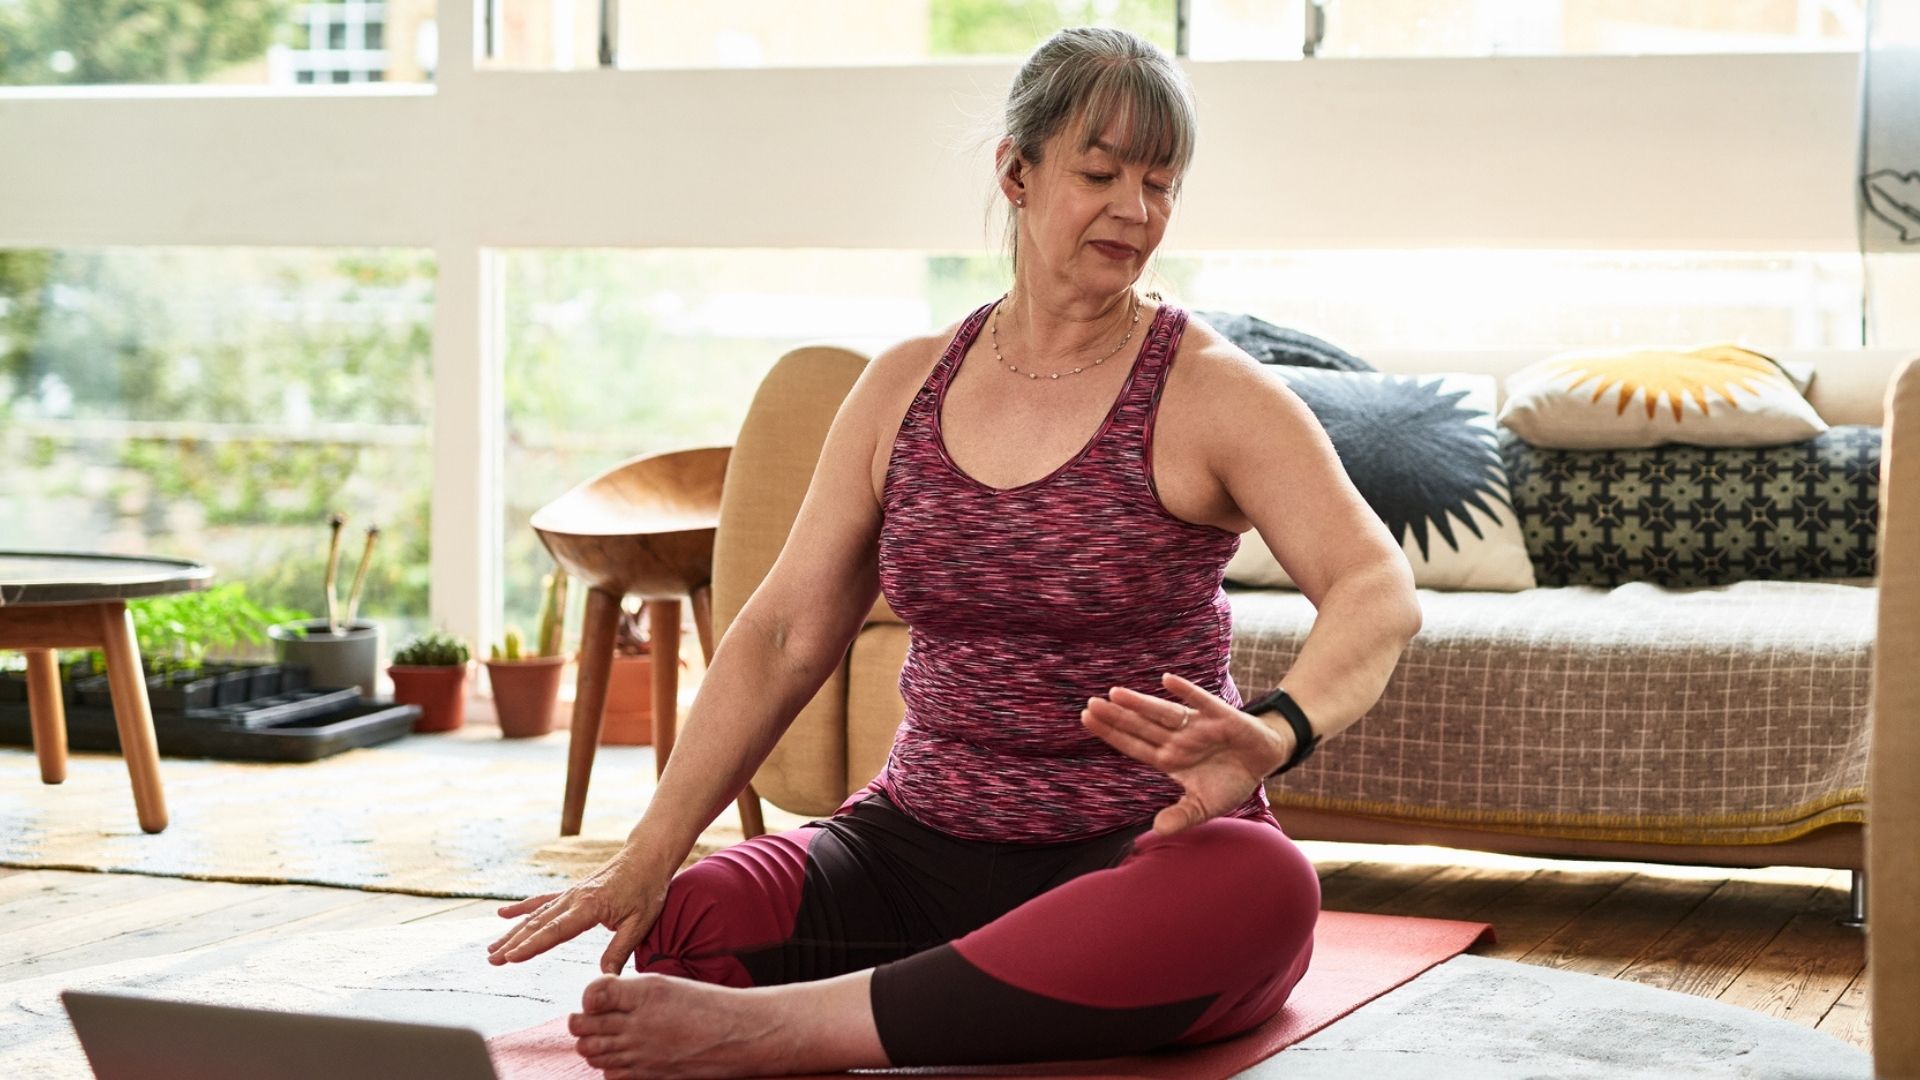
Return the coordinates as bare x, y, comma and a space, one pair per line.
1219, 755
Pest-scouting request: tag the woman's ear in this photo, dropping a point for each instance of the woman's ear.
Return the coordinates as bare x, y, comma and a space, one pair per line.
1013, 171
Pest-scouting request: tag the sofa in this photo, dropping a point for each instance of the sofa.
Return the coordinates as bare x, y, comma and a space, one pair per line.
1724, 726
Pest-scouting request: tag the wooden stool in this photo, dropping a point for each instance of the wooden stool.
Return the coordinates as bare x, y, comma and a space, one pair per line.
54, 601
643, 528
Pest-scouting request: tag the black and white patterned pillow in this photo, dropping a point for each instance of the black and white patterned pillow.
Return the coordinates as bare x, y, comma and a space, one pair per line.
1700, 515
1422, 450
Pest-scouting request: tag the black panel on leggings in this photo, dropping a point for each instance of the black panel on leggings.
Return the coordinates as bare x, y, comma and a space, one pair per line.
983, 1021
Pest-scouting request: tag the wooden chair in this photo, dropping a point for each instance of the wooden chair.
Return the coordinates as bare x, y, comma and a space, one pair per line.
643, 528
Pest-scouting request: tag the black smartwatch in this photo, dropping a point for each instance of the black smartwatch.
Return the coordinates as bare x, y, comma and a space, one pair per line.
1304, 740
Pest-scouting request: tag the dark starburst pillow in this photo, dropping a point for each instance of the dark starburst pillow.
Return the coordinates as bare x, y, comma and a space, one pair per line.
1700, 515
1272, 344
1424, 452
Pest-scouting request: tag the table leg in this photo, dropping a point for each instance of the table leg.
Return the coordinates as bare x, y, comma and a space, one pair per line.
133, 714
589, 703
48, 715
663, 634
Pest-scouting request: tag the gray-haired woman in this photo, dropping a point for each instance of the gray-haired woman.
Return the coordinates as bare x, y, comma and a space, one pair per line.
1069, 852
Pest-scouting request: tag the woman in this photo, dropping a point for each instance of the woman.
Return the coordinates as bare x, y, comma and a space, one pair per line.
1069, 852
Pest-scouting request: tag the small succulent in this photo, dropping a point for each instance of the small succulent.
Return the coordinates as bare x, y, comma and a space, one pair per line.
512, 649
432, 650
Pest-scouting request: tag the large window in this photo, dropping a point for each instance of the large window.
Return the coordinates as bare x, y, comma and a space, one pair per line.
1275, 29
219, 405
231, 42
613, 354
751, 33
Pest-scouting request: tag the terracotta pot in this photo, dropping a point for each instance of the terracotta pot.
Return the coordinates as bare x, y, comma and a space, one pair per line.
524, 693
441, 693
628, 717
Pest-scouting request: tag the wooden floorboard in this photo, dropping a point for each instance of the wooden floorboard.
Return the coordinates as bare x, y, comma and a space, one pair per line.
1765, 940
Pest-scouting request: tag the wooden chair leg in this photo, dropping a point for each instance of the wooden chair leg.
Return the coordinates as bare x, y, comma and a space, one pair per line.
663, 631
703, 620
48, 715
133, 714
589, 702
751, 824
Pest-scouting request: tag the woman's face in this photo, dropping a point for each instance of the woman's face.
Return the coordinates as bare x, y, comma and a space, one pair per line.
1091, 221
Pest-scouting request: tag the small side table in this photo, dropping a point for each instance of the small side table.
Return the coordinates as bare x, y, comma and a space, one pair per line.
61, 600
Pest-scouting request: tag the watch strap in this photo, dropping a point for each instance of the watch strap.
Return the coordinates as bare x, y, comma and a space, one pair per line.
1304, 740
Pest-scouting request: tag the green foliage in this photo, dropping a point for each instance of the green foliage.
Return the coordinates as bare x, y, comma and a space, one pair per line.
432, 650
179, 631
512, 651
134, 41
553, 614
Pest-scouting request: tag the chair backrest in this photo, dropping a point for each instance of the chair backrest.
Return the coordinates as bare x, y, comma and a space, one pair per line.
767, 478
1893, 766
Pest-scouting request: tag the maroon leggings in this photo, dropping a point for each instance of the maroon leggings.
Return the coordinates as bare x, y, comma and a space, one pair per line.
989, 953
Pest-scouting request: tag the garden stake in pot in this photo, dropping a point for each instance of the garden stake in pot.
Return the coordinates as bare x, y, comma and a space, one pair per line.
336, 521
360, 575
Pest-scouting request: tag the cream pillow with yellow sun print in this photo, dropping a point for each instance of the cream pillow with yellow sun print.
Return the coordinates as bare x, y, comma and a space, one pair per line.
1715, 395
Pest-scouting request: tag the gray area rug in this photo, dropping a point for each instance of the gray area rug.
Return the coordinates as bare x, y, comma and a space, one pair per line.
1470, 1018
1477, 1018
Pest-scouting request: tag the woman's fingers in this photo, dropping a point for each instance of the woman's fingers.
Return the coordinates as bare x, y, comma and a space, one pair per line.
626, 938
1168, 715
1133, 721
543, 931
1121, 739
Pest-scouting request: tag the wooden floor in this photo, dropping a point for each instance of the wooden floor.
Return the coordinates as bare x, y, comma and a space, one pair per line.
1762, 939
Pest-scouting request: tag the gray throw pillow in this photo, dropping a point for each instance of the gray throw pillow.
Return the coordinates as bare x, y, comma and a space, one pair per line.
1272, 344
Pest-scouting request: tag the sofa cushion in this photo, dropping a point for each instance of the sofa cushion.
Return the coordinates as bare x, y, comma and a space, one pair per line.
1734, 714
1716, 395
1423, 452
1688, 515
1272, 344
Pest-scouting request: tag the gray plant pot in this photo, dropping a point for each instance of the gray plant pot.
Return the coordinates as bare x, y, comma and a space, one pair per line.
333, 661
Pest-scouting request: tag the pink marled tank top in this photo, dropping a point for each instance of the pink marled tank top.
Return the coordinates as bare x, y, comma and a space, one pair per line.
1022, 603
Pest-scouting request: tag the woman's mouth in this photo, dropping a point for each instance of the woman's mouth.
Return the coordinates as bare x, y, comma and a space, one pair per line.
1115, 251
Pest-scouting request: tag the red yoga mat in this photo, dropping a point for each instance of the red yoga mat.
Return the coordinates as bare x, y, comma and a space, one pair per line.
1356, 958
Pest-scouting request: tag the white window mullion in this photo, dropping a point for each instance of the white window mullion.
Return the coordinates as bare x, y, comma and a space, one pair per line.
469, 343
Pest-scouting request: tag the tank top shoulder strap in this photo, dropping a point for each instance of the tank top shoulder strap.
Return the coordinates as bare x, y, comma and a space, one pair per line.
1156, 356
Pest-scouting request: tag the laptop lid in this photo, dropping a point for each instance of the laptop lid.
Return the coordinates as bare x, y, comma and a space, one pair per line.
135, 1038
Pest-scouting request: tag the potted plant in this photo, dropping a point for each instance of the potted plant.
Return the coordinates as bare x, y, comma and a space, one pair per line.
431, 671
627, 719
176, 634
337, 651
526, 684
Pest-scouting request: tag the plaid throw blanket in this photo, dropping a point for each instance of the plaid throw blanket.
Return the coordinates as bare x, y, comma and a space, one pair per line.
1729, 714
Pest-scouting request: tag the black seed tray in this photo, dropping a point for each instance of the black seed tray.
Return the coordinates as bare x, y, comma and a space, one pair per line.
362, 723
275, 711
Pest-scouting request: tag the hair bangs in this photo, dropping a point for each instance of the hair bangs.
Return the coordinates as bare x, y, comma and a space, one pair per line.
1150, 118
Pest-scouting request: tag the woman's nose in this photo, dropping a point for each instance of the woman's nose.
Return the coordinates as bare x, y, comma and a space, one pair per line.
1130, 203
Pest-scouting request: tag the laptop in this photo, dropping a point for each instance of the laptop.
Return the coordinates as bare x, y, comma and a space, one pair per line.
136, 1038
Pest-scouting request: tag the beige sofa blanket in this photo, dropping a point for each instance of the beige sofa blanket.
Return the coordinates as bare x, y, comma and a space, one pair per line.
1733, 714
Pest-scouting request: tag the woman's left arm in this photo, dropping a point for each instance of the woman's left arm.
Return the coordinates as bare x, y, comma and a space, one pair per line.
1277, 465
1273, 460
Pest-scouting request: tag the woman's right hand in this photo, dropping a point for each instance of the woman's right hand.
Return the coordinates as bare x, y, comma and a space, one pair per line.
625, 895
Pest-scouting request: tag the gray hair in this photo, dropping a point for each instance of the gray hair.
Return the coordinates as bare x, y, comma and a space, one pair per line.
1098, 76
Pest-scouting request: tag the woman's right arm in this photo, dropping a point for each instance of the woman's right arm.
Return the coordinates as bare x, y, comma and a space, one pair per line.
788, 637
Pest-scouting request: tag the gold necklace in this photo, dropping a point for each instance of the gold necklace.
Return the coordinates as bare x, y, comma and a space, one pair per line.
994, 333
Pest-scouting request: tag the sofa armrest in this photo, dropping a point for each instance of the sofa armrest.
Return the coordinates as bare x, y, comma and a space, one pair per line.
767, 478
1893, 769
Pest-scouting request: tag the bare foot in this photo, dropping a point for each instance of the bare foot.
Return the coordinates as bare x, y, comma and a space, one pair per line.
664, 1026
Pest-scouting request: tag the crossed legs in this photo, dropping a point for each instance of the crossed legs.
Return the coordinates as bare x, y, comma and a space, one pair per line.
867, 941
